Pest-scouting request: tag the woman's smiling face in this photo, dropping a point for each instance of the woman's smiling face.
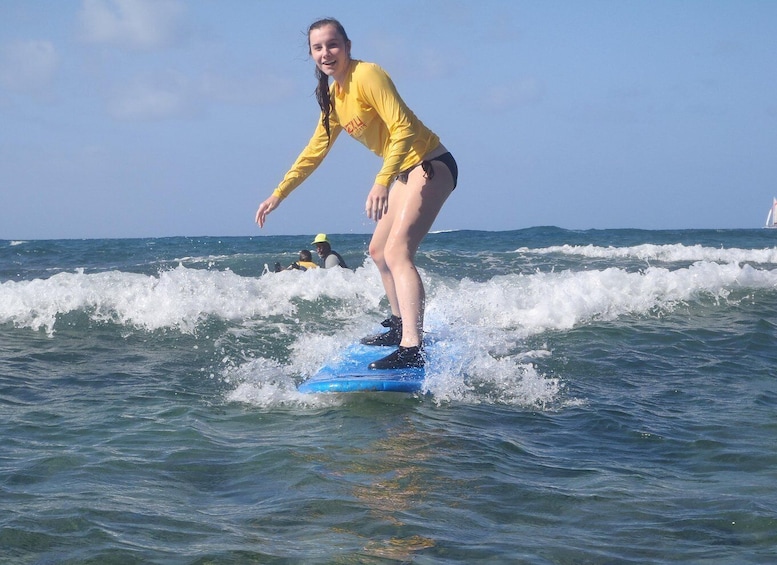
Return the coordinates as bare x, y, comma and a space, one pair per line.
330, 51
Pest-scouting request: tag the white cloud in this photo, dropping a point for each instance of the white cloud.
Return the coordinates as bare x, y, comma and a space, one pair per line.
172, 94
520, 93
152, 99
28, 65
137, 24
248, 89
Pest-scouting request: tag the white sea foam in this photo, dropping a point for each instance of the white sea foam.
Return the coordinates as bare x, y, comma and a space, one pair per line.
669, 253
182, 298
483, 324
266, 383
530, 304
177, 299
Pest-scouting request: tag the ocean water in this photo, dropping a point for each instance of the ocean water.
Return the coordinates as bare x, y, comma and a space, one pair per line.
606, 397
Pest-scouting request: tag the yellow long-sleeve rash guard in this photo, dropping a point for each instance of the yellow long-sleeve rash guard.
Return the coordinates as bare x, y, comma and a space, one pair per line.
369, 108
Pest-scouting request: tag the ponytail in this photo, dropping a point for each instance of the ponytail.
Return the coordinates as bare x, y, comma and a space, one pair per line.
324, 99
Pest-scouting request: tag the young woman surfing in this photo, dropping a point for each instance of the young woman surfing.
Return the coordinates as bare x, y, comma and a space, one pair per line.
417, 176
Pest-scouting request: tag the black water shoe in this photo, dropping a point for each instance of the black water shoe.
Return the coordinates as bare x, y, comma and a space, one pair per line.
402, 358
392, 337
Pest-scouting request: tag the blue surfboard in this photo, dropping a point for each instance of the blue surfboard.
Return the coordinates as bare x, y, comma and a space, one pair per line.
349, 373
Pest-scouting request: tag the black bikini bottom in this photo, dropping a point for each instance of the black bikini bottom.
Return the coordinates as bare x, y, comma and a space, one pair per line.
446, 159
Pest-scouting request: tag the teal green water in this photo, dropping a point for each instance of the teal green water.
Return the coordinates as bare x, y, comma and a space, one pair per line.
608, 397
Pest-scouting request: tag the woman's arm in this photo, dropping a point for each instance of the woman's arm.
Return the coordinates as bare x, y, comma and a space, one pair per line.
307, 162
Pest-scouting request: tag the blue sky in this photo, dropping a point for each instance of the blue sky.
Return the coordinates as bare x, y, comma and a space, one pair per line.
150, 118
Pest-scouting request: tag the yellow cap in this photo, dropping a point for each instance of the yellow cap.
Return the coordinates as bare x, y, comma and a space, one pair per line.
320, 238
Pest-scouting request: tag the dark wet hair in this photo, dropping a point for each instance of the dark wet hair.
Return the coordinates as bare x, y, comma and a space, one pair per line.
325, 101
305, 255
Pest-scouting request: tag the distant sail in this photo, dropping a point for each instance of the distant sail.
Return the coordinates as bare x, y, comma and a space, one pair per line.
771, 217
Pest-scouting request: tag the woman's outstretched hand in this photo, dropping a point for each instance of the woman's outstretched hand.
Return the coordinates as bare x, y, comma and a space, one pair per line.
265, 208
377, 202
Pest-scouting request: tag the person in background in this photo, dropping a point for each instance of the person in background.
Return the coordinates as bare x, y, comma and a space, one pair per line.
329, 257
305, 262
417, 176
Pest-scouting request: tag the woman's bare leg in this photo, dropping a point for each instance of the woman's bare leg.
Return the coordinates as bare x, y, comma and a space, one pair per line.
413, 207
377, 246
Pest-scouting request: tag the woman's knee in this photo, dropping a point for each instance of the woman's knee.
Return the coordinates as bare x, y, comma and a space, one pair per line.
377, 254
397, 257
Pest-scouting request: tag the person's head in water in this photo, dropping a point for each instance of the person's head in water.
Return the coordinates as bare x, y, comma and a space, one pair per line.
306, 255
323, 247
